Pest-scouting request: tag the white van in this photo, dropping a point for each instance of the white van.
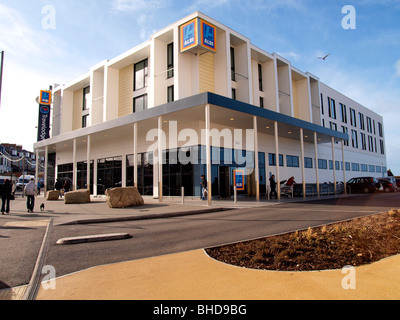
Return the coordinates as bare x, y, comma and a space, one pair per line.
23, 181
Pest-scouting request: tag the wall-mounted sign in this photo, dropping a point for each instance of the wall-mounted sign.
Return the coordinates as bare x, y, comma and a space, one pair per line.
238, 177
45, 97
198, 33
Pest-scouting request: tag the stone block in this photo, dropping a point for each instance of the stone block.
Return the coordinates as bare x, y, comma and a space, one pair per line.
76, 197
52, 195
124, 197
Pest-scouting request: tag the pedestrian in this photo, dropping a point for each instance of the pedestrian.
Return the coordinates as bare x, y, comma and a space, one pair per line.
272, 184
6, 191
58, 186
38, 187
67, 186
30, 191
203, 184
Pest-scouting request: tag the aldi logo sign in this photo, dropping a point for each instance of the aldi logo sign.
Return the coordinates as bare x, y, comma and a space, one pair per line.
198, 33
45, 97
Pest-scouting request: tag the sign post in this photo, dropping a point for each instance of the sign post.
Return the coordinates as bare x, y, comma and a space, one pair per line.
44, 115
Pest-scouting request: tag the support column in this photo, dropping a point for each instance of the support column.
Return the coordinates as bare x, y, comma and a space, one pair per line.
135, 155
37, 164
95, 193
208, 155
46, 167
316, 163
303, 170
88, 174
160, 160
278, 178
334, 165
74, 166
256, 162
344, 169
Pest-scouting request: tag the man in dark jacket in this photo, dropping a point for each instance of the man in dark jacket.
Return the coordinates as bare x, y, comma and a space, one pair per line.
272, 184
6, 191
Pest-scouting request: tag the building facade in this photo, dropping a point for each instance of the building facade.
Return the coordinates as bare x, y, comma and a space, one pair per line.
200, 99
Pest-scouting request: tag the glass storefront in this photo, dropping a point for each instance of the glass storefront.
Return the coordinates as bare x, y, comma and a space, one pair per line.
145, 173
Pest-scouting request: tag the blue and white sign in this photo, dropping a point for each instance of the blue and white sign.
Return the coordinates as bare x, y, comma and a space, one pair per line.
198, 33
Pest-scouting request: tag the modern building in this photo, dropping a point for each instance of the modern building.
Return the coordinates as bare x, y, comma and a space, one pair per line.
200, 99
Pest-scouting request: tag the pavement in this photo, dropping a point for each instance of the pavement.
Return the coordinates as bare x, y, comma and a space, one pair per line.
194, 275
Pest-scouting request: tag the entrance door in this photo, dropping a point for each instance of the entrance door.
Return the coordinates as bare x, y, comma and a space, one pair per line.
224, 183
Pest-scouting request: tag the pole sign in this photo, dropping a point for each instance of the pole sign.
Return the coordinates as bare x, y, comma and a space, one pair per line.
198, 33
238, 176
44, 115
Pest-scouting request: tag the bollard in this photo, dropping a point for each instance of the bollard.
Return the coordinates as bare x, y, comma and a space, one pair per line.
235, 194
183, 195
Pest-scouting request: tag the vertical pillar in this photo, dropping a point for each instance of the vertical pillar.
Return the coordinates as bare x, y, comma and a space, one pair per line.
46, 167
160, 160
135, 155
303, 170
256, 162
95, 178
37, 164
316, 163
334, 165
344, 169
88, 150
278, 178
74, 166
208, 154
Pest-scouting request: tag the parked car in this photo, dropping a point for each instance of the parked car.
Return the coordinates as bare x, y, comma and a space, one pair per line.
363, 185
389, 184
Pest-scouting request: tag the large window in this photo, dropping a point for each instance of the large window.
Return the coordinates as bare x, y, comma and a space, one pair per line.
109, 174
362, 123
260, 78
292, 161
354, 139
353, 119
343, 113
272, 159
144, 172
233, 68
170, 60
141, 74
140, 103
85, 107
332, 108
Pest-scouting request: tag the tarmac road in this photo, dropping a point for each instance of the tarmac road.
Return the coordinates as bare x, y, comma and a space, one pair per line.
20, 243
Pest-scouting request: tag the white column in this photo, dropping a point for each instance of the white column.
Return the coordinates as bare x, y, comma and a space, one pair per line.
303, 170
278, 182
37, 165
256, 162
88, 149
160, 160
344, 169
208, 154
95, 178
135, 155
316, 162
123, 171
74, 166
46, 166
334, 164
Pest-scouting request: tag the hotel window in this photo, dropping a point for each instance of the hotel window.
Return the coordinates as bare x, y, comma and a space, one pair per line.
141, 74
170, 60
292, 161
322, 164
353, 120
261, 102
85, 107
363, 141
362, 124
380, 129
343, 113
346, 131
332, 108
322, 103
364, 168
140, 103
170, 94
233, 68
85, 121
272, 159
382, 145
355, 167
369, 124
333, 126
354, 139
370, 144
308, 163
233, 94
260, 78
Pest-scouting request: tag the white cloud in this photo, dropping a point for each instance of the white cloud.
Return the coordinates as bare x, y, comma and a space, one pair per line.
139, 5
397, 66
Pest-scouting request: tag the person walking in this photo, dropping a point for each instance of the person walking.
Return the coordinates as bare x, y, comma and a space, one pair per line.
272, 184
6, 191
30, 191
203, 187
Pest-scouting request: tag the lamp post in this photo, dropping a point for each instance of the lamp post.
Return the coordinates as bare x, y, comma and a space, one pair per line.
1, 73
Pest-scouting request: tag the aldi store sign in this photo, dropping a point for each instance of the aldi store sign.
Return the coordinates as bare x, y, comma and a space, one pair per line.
198, 33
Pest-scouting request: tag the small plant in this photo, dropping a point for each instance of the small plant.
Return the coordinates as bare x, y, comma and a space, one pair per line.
394, 213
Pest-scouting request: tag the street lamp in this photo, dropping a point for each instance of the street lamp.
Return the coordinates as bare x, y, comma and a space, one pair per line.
1, 72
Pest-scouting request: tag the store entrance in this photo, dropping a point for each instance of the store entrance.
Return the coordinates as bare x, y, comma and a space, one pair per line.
224, 183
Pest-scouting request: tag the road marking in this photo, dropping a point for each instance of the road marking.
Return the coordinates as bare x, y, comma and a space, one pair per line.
94, 238
27, 224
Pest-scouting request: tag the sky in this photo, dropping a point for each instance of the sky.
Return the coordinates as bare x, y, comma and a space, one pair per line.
57, 41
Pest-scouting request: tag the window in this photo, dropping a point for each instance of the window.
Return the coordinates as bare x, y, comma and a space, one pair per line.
332, 108
354, 139
85, 121
378, 169
364, 168
308, 163
170, 94
363, 141
261, 102
343, 113
371, 168
140, 103
260, 78
322, 164
292, 161
86, 97
380, 129
355, 167
370, 144
233, 68
322, 103
382, 145
333, 126
170, 60
233, 94
362, 124
272, 159
141, 74
353, 120
346, 131
369, 124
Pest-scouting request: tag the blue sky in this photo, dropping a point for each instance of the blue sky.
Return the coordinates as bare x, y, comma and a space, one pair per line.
364, 63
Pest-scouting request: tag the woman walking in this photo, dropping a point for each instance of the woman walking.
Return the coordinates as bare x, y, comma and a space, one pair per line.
6, 191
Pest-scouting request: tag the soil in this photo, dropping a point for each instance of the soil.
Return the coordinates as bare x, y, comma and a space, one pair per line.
353, 243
